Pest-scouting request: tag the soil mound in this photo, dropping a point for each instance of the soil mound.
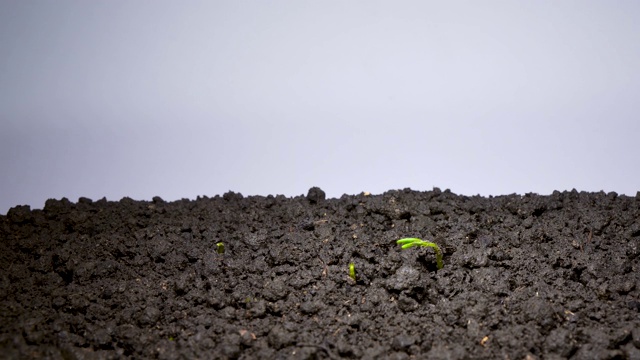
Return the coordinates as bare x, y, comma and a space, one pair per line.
524, 277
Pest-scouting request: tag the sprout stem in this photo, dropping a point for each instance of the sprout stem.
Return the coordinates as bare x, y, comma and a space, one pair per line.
352, 271
411, 242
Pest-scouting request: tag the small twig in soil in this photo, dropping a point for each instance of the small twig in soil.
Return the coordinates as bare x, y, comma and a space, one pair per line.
326, 268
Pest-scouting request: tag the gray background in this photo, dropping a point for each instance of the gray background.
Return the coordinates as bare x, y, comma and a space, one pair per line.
184, 98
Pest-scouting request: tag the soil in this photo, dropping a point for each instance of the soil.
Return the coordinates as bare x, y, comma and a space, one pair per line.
524, 277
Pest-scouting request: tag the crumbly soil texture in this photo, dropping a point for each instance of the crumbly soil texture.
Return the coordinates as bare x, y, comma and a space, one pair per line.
524, 277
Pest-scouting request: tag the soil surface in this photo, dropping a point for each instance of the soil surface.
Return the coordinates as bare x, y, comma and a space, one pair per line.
524, 277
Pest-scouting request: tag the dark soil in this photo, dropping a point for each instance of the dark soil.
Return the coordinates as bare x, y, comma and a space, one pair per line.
524, 277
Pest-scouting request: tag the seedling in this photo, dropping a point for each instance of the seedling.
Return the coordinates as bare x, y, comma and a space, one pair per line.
220, 248
352, 271
411, 242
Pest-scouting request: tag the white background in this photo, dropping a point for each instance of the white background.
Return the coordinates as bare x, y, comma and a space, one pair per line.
184, 98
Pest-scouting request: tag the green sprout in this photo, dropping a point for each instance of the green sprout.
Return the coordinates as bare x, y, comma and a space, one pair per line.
352, 271
411, 242
220, 248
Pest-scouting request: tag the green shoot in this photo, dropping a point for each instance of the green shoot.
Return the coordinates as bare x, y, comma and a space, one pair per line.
411, 242
352, 271
220, 248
